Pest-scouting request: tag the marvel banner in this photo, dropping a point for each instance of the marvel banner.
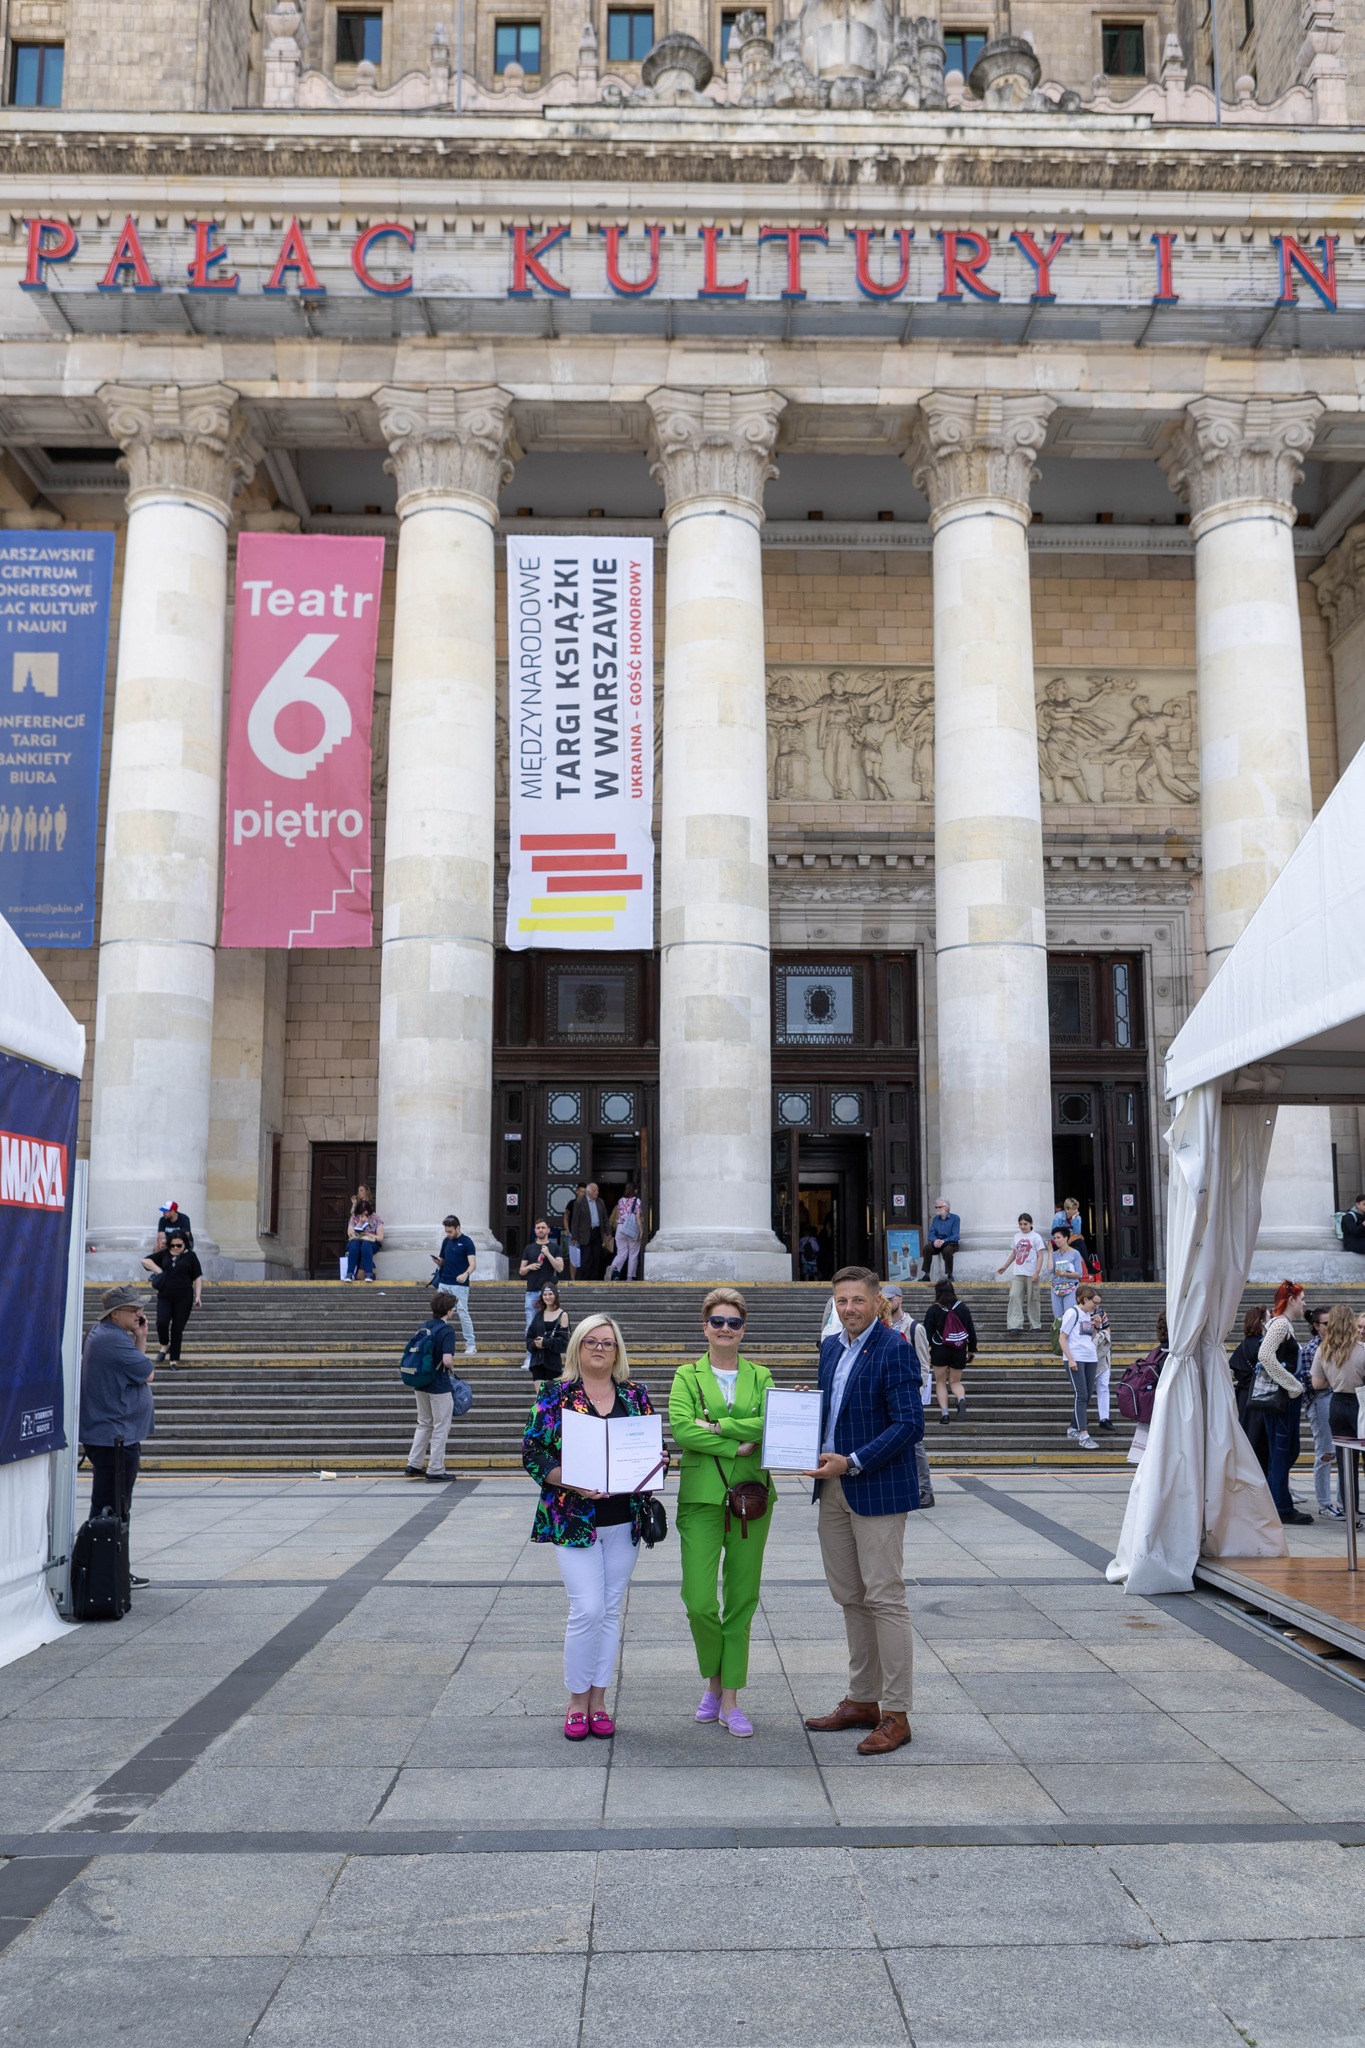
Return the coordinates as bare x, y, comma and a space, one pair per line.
54, 616
580, 670
305, 628
37, 1147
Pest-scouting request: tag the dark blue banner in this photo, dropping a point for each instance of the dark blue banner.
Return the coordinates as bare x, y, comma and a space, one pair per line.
37, 1154
54, 637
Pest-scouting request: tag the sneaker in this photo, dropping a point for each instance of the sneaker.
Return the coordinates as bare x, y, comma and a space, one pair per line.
1337, 1513
1072, 1434
1086, 1442
470, 1351
134, 1580
1106, 1424
945, 1419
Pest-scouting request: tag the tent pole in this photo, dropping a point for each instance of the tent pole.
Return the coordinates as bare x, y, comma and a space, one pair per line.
61, 1526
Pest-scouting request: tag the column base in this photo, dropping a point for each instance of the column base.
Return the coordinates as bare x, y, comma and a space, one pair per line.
407, 1249
115, 1255
710, 1256
1306, 1252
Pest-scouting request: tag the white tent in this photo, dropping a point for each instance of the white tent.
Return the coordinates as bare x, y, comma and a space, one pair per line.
1282, 1023
35, 1025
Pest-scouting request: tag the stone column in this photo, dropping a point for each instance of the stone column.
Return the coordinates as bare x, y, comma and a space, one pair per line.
187, 453
1236, 461
1340, 586
450, 452
973, 457
712, 452
249, 1007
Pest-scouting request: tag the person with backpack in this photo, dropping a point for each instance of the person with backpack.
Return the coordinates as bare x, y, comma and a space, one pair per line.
1082, 1358
951, 1333
625, 1227
426, 1371
1137, 1390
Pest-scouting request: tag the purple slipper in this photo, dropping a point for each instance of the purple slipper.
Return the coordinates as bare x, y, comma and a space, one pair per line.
709, 1709
737, 1722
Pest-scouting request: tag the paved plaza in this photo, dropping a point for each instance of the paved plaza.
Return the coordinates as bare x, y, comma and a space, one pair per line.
314, 1789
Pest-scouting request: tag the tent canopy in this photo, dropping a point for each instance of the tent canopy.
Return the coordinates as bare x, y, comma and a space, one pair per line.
35, 1023
1283, 1021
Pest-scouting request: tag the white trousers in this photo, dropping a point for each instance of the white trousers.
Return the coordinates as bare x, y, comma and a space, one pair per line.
1102, 1391
627, 1256
433, 1427
595, 1580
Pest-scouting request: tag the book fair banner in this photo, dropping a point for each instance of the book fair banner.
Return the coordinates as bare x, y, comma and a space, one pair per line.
54, 607
37, 1145
305, 629
580, 669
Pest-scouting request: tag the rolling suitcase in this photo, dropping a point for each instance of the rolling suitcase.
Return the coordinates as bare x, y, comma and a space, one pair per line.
100, 1588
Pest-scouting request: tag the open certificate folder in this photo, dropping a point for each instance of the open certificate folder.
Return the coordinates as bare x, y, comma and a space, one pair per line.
791, 1431
610, 1454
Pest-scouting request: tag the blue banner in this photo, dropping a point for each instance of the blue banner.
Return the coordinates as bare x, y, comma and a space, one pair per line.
54, 638
37, 1152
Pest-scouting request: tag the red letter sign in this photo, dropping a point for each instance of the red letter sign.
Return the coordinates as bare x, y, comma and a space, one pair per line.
867, 284
794, 237
526, 264
360, 257
1165, 293
205, 257
1295, 258
624, 285
41, 251
294, 256
712, 288
1042, 293
128, 256
306, 623
964, 254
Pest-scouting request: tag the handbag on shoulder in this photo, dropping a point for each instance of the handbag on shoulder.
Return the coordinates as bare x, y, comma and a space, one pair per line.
748, 1501
1268, 1395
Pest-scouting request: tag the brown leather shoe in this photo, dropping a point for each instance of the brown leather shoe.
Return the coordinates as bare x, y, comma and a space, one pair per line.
848, 1714
891, 1732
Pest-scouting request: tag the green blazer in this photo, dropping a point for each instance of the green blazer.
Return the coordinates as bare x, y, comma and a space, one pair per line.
709, 1464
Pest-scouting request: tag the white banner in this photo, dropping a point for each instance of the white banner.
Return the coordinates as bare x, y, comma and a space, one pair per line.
580, 686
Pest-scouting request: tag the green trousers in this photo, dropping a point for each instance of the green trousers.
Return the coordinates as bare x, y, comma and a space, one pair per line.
720, 1572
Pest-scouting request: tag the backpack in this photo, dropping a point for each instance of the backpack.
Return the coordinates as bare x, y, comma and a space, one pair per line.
1136, 1394
422, 1364
954, 1329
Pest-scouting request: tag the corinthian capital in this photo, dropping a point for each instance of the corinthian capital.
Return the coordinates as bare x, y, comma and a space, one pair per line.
968, 446
449, 443
1231, 454
1340, 582
713, 444
186, 439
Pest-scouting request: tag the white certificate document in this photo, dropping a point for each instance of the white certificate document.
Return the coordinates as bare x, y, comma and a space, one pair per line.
615, 1454
791, 1431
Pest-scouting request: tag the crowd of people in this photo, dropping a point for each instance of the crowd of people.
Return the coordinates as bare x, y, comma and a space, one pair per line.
1274, 1374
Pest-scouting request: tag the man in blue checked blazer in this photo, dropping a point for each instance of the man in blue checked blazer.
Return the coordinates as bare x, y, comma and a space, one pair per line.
865, 1485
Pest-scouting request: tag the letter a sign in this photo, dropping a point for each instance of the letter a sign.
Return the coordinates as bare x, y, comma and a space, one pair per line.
306, 624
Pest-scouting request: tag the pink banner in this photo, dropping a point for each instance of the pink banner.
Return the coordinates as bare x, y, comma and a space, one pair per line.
306, 624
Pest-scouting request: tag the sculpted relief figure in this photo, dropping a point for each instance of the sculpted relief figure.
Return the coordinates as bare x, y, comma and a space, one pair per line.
1097, 744
850, 735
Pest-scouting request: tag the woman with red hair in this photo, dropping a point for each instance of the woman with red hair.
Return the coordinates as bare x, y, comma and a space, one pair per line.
1277, 1392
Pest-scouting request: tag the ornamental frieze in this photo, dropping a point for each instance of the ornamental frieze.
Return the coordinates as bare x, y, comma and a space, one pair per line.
864, 733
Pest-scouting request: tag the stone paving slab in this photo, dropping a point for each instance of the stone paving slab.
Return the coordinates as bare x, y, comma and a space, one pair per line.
258, 1874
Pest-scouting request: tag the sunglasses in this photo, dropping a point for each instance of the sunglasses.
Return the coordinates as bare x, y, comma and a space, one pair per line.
726, 1322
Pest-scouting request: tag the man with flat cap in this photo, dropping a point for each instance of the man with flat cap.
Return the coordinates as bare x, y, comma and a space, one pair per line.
116, 1396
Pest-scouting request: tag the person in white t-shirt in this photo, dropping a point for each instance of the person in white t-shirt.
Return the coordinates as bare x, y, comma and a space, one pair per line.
1082, 1358
1025, 1268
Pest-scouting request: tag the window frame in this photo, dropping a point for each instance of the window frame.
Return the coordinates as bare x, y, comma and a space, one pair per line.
964, 34
345, 13
1133, 24
518, 25
44, 51
633, 15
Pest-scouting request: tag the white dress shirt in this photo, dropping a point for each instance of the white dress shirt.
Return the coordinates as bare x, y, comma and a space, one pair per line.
852, 1350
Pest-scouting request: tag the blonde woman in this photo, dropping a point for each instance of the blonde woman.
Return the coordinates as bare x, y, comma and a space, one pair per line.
715, 1411
596, 1535
1338, 1371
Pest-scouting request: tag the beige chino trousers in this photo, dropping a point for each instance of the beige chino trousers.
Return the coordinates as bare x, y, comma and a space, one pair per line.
864, 1560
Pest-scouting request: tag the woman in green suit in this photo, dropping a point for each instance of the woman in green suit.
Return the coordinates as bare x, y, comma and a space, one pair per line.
716, 1414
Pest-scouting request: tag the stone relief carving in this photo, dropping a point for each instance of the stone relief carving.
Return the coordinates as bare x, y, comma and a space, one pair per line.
865, 734
850, 735
1104, 739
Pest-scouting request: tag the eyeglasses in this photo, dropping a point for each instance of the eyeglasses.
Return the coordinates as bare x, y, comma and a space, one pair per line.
598, 1344
726, 1322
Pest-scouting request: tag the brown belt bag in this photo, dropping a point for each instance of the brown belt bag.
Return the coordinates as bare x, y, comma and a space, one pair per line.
747, 1502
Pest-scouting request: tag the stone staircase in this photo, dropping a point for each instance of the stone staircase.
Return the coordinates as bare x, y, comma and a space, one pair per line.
302, 1376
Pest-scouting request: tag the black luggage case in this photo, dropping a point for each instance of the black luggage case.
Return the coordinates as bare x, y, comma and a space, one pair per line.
100, 1587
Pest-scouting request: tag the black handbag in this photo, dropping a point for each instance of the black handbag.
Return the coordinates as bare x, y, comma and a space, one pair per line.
1268, 1396
653, 1521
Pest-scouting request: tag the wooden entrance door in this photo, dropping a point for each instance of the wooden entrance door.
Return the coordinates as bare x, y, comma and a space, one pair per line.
338, 1170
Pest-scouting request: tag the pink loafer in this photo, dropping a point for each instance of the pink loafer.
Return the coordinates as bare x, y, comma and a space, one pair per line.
576, 1728
709, 1709
738, 1723
603, 1725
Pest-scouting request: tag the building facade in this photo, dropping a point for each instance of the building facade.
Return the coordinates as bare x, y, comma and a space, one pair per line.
992, 386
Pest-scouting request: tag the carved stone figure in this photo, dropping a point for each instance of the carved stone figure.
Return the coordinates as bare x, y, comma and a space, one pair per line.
840, 53
1100, 741
1067, 735
1149, 745
915, 731
849, 735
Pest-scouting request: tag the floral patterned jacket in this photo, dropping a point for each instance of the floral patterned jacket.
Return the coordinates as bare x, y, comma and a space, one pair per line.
563, 1516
